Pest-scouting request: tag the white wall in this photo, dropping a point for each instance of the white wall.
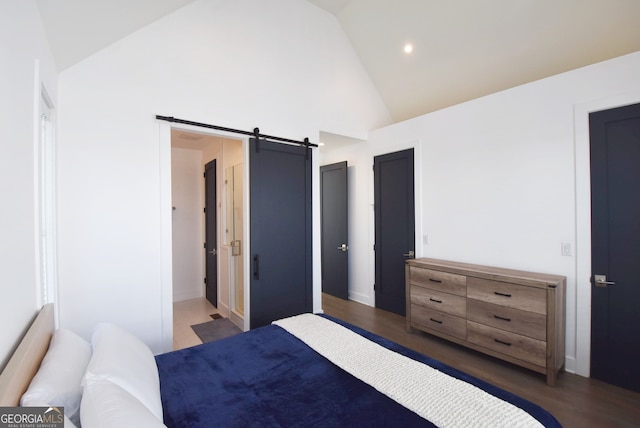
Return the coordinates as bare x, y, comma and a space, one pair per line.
283, 65
498, 182
26, 65
186, 199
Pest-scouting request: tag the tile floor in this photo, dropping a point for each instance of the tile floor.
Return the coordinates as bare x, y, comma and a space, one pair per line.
185, 314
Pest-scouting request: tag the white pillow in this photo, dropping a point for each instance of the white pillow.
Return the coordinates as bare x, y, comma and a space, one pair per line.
68, 423
107, 405
58, 381
123, 359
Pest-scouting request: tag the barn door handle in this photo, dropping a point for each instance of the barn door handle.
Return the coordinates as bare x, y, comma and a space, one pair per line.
256, 267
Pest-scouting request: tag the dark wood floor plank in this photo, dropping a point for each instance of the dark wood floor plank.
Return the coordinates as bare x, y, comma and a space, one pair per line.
575, 401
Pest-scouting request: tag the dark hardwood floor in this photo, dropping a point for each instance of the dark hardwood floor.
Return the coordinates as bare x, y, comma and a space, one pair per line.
575, 401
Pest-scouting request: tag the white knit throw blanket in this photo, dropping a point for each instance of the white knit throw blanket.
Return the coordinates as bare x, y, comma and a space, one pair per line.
441, 399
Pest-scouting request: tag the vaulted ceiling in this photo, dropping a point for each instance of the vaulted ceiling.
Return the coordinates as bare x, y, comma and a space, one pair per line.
462, 49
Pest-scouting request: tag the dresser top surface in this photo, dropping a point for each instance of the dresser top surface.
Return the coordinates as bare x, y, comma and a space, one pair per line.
490, 272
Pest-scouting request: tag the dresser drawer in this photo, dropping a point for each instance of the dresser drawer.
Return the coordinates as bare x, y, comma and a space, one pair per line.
518, 346
530, 299
437, 280
435, 320
443, 302
528, 324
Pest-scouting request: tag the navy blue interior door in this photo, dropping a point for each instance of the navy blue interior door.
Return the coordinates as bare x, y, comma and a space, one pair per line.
394, 227
211, 233
334, 229
280, 230
615, 246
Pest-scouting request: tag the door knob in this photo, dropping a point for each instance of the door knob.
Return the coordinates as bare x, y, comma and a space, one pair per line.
601, 281
410, 254
212, 252
343, 247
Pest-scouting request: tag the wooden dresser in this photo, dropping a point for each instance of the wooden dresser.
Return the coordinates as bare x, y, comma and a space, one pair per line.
514, 315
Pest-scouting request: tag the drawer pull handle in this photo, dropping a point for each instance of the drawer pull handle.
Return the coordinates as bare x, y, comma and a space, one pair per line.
435, 300
502, 342
502, 318
434, 320
435, 280
502, 294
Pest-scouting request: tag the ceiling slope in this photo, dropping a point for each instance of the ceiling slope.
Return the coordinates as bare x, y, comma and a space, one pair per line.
463, 49
77, 29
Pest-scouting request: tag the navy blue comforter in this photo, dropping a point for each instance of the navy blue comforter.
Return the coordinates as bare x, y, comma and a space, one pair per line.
269, 378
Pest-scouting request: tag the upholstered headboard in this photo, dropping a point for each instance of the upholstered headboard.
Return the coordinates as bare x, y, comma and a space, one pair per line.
25, 361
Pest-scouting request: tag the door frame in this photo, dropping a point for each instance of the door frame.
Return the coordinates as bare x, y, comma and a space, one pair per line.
582, 363
166, 251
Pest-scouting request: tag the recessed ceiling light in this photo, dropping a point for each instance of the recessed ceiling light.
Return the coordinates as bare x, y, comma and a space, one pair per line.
408, 48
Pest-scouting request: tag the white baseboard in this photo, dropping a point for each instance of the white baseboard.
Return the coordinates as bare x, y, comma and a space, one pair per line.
179, 297
360, 298
570, 365
223, 309
237, 319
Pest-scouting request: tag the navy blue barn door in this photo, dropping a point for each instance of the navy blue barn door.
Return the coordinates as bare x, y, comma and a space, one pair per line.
280, 211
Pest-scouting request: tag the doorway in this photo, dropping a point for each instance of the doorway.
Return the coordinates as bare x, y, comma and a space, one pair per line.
394, 207
615, 245
196, 245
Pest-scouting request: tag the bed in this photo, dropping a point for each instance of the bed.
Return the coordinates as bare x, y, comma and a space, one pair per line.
308, 370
